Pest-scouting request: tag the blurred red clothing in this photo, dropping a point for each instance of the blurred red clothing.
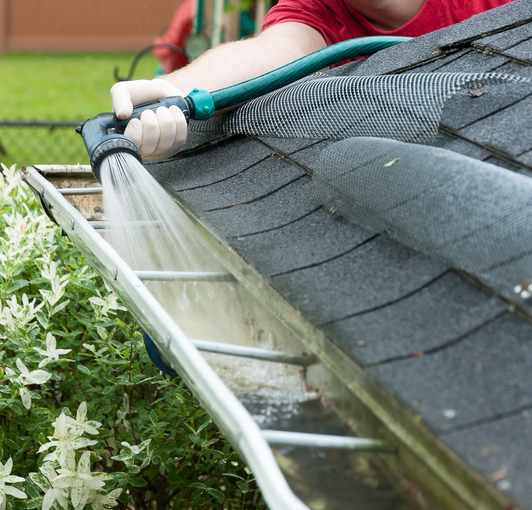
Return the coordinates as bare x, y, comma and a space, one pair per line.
179, 29
338, 21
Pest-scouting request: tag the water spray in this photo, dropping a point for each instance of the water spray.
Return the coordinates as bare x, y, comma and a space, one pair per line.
116, 162
103, 134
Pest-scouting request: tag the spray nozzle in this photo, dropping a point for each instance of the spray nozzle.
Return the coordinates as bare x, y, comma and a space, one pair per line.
103, 134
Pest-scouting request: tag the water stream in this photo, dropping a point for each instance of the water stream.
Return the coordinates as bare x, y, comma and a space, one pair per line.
151, 232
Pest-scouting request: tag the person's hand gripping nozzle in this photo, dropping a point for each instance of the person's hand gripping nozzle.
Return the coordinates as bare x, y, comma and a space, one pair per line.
103, 135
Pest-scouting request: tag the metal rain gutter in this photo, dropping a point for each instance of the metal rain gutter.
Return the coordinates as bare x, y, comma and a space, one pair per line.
222, 405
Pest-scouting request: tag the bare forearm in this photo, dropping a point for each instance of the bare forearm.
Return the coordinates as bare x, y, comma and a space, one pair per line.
235, 62
159, 135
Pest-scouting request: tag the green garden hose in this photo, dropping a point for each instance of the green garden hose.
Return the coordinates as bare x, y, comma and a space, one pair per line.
205, 104
103, 134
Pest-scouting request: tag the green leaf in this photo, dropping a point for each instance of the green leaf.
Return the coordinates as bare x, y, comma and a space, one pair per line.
11, 443
243, 486
15, 285
31, 491
198, 485
195, 439
33, 503
95, 457
17, 407
60, 306
43, 320
190, 427
145, 462
215, 493
57, 332
83, 369
124, 497
121, 323
123, 456
41, 410
38, 281
108, 389
119, 477
206, 424
137, 481
133, 469
83, 320
152, 471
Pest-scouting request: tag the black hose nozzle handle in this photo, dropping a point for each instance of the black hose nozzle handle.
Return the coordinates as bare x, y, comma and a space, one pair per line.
104, 134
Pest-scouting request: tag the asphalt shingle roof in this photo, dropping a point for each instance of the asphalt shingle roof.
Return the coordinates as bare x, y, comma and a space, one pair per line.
380, 302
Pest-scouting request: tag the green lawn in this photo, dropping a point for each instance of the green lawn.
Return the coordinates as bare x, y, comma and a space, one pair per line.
62, 85
56, 86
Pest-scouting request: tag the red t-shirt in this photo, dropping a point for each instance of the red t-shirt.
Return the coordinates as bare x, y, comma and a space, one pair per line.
338, 21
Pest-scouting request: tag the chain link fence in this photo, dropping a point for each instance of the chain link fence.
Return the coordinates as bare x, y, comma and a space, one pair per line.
52, 142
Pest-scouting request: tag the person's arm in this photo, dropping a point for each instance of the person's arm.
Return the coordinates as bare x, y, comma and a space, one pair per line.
159, 135
235, 62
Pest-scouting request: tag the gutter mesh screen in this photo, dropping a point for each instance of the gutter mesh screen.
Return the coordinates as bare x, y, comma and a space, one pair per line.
405, 107
473, 215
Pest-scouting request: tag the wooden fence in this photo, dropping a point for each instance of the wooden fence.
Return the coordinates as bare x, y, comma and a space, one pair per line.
82, 25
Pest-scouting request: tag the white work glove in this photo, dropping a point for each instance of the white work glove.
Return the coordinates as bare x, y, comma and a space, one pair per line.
158, 135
